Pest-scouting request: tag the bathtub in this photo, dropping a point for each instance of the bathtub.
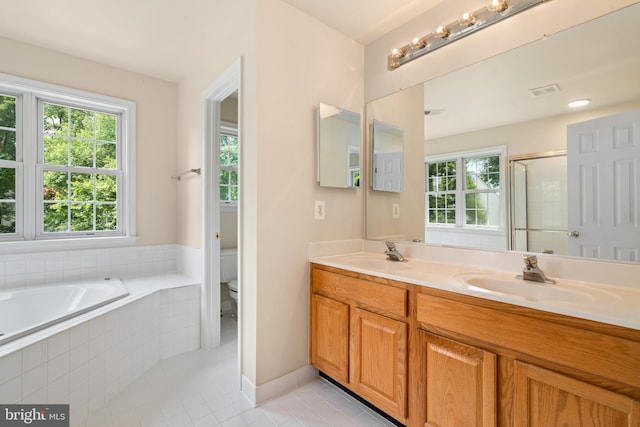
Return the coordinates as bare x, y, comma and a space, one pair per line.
24, 311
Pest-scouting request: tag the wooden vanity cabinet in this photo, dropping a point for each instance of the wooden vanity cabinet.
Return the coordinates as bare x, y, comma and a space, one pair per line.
330, 337
359, 336
552, 370
460, 386
545, 398
432, 358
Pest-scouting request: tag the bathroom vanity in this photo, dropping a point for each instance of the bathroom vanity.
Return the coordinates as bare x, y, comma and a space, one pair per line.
429, 353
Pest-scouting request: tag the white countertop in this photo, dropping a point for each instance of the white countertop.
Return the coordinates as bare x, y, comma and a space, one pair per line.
615, 305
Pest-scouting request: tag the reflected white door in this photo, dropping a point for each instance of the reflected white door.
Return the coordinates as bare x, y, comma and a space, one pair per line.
603, 158
387, 174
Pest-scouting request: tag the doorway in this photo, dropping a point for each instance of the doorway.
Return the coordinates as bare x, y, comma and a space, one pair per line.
217, 98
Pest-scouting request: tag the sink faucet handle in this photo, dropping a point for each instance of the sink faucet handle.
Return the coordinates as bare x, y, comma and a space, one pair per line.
390, 245
530, 261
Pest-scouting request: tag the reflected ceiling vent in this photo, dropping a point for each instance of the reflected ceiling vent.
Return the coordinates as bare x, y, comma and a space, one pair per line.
544, 90
434, 112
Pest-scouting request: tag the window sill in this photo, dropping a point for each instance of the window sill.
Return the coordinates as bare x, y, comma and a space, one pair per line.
227, 207
65, 244
454, 229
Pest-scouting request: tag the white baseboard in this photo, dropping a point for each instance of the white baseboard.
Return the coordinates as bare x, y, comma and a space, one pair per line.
279, 386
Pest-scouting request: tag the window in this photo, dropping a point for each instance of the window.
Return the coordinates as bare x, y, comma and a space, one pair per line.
66, 163
229, 144
464, 190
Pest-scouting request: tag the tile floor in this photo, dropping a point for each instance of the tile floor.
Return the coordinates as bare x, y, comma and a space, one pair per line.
202, 388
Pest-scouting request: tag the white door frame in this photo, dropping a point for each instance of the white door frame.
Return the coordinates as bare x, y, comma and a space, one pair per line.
228, 82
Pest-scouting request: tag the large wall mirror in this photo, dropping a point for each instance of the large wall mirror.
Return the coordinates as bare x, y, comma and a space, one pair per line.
338, 147
487, 164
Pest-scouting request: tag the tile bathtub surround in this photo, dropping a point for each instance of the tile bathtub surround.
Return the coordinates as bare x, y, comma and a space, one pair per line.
91, 362
39, 268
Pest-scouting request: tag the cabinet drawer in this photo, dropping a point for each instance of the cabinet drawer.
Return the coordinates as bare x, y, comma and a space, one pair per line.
382, 297
606, 356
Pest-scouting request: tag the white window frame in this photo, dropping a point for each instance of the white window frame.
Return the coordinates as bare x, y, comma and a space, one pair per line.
29, 236
228, 128
461, 191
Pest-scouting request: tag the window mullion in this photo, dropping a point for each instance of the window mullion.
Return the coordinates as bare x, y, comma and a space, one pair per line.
32, 175
461, 178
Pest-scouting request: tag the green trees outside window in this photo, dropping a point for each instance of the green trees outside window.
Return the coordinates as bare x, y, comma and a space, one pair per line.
79, 179
228, 168
7, 164
466, 188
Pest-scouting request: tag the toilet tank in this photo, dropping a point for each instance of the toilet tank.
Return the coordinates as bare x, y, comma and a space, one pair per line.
228, 265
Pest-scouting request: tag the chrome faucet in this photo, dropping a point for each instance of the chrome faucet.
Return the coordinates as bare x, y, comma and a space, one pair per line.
532, 272
392, 253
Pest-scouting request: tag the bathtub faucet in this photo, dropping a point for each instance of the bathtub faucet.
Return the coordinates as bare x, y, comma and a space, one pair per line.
392, 253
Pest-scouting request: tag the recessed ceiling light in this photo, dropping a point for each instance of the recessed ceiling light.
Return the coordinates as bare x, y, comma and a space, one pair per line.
579, 103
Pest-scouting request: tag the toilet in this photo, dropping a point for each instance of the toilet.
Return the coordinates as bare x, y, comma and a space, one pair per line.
229, 274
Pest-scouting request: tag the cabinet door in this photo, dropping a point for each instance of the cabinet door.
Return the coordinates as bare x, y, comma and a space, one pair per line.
379, 357
544, 398
460, 385
330, 337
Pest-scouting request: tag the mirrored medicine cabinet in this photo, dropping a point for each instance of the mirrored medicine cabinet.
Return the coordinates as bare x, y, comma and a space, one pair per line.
338, 147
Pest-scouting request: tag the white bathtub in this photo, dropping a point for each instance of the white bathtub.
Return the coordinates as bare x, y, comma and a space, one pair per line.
24, 311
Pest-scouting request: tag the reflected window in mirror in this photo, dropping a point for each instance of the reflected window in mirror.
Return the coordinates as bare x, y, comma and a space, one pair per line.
339, 137
228, 164
465, 194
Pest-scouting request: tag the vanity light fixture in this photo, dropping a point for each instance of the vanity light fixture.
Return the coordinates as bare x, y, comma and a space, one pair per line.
579, 103
469, 22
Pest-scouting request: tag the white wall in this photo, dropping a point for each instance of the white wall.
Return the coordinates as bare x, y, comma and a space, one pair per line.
157, 127
302, 62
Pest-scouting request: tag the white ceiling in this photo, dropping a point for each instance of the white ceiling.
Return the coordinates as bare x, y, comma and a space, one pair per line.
364, 20
150, 36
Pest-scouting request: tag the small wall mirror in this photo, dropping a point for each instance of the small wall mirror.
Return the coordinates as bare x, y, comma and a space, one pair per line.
338, 147
388, 142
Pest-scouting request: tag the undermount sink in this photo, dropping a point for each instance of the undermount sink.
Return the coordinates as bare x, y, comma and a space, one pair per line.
529, 290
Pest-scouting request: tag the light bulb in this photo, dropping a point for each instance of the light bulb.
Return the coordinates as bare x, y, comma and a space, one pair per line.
467, 20
418, 43
441, 32
497, 5
397, 52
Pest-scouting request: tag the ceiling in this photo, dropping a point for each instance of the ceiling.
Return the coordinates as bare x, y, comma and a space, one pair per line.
150, 38
364, 20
